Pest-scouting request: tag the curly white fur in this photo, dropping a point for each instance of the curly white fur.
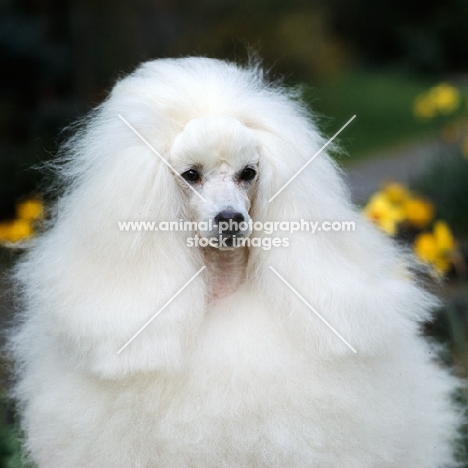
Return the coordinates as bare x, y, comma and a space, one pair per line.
249, 377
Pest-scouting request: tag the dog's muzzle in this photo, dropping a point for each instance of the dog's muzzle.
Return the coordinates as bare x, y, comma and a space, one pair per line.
231, 226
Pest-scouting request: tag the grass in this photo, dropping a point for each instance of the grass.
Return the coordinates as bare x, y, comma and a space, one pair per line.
383, 104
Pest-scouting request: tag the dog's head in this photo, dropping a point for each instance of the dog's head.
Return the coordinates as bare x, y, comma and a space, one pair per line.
217, 160
235, 143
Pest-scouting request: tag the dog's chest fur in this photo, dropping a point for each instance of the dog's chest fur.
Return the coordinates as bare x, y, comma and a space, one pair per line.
250, 396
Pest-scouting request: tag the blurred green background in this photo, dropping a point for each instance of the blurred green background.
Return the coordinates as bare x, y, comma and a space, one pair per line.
379, 60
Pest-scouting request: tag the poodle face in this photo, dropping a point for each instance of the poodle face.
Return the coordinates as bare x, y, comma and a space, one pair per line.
217, 156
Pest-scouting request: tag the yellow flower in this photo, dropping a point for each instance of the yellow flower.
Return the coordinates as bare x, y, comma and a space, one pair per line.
15, 231
30, 209
395, 192
436, 248
424, 107
425, 246
443, 236
445, 98
5, 231
384, 213
418, 212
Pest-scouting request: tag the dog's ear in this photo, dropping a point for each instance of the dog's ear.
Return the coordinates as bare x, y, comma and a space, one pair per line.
93, 283
351, 274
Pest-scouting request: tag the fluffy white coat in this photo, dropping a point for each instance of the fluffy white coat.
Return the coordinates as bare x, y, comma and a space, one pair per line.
252, 379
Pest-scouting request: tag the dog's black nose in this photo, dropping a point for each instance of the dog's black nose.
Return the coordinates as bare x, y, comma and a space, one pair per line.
229, 215
228, 222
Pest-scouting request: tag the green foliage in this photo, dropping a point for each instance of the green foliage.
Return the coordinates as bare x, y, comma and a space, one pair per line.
383, 104
10, 446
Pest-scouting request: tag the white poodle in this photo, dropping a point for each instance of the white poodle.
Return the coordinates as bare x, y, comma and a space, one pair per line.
316, 362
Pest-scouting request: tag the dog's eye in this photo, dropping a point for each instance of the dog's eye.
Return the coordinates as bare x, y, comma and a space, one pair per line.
248, 174
191, 175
